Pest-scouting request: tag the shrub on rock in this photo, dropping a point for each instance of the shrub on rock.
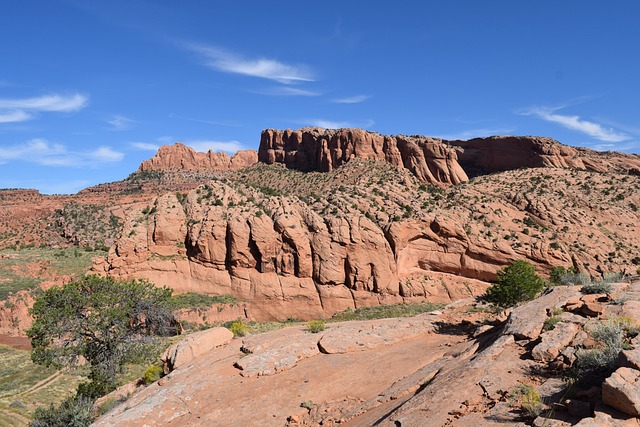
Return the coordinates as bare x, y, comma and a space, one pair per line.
516, 283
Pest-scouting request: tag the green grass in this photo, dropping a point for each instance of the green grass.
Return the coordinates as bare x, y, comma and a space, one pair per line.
194, 301
385, 312
15, 270
19, 392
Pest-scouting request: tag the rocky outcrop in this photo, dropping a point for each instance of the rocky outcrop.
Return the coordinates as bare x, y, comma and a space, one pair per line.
291, 262
315, 149
183, 158
501, 153
432, 160
193, 346
622, 391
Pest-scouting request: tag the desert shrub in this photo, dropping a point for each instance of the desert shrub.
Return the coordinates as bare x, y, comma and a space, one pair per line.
551, 323
73, 412
528, 399
152, 374
593, 366
611, 277
516, 283
238, 328
573, 277
596, 288
316, 326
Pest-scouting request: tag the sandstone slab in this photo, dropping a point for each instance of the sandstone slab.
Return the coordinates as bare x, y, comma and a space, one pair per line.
193, 346
622, 391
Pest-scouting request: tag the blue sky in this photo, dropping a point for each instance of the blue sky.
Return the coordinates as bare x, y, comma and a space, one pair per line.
89, 89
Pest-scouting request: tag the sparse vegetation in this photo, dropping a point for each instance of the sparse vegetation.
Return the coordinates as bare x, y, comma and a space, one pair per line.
596, 288
592, 366
528, 399
195, 301
384, 312
316, 326
238, 328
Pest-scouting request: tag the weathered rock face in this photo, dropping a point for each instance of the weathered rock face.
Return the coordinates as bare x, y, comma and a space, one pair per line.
183, 158
501, 153
432, 160
322, 150
287, 260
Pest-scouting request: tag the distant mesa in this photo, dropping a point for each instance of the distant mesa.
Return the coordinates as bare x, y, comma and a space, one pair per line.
432, 160
181, 157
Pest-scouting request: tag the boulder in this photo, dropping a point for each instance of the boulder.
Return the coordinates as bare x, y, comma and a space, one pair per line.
194, 345
554, 342
622, 391
526, 321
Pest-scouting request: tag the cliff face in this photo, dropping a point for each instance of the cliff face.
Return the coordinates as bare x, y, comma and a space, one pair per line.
322, 150
432, 160
183, 158
479, 156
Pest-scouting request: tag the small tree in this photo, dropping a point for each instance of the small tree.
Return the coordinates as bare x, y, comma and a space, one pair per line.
516, 283
106, 322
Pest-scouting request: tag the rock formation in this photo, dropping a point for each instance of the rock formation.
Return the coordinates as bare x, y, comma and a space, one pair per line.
314, 149
183, 158
432, 160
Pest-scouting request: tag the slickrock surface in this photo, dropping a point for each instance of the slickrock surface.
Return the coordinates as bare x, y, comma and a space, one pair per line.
431, 370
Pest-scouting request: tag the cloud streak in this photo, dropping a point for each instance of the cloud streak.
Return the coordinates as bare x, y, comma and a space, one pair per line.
45, 153
266, 68
352, 99
592, 129
288, 91
331, 124
206, 145
23, 109
120, 123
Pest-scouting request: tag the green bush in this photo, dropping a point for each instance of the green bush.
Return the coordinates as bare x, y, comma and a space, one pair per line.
238, 328
152, 374
73, 412
316, 326
551, 322
516, 283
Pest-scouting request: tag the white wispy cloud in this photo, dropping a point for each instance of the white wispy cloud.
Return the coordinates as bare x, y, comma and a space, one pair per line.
266, 68
352, 99
592, 129
22, 109
287, 91
145, 146
120, 122
331, 124
204, 146
46, 153
14, 116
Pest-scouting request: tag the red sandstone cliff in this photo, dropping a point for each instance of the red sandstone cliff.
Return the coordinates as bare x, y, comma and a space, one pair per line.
314, 149
180, 157
431, 159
